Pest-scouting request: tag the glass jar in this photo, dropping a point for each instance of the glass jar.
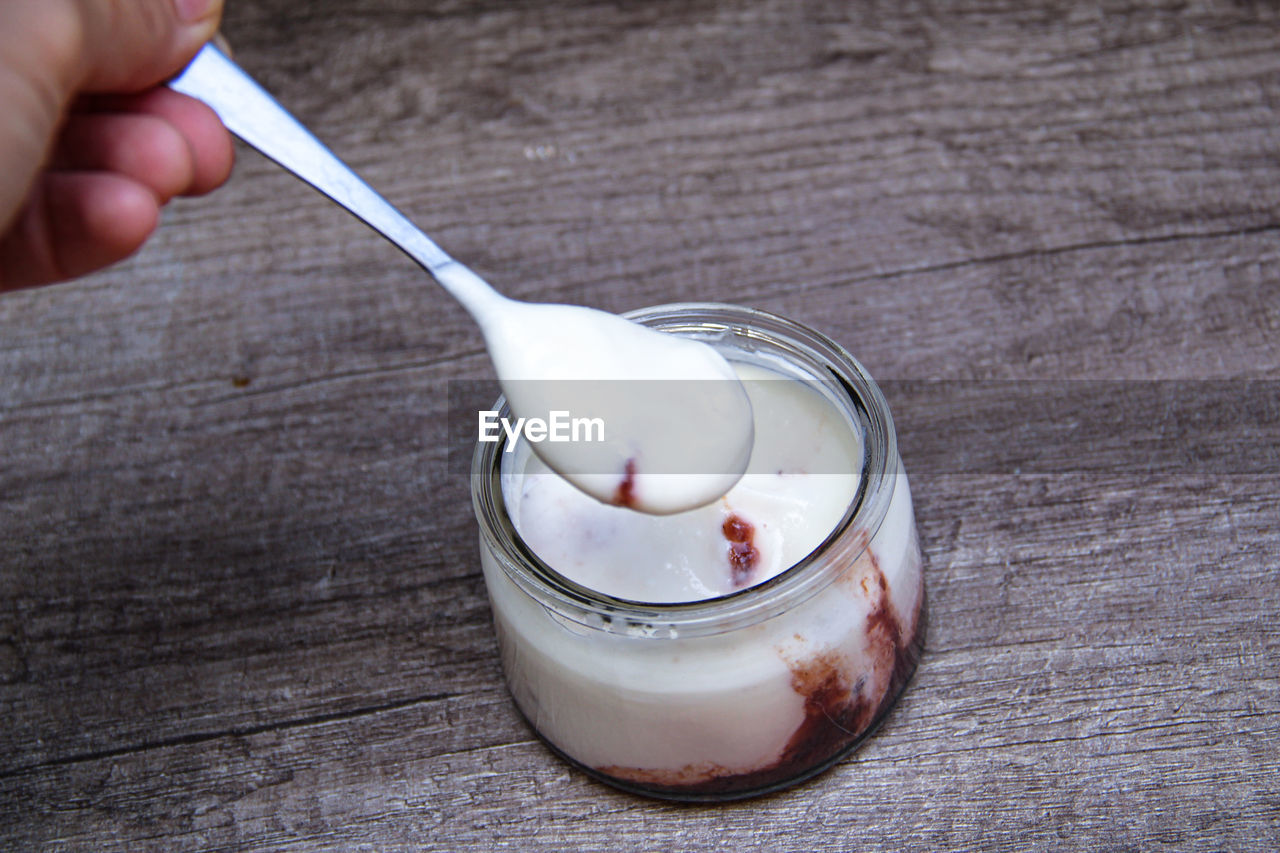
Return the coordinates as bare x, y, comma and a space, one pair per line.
738, 695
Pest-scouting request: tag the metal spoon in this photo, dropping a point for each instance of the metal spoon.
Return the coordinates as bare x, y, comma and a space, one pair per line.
705, 430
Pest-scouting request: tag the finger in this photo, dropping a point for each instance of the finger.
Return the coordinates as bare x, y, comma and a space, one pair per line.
210, 146
50, 50
75, 223
144, 148
135, 45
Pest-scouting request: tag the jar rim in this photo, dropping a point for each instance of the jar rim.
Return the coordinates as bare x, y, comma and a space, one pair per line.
755, 603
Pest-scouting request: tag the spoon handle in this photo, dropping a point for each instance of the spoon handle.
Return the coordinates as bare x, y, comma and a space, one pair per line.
252, 114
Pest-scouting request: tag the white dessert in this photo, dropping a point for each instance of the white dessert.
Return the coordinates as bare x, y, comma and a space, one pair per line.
753, 704
669, 403
801, 479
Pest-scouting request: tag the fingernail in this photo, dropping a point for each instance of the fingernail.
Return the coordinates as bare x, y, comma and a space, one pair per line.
190, 11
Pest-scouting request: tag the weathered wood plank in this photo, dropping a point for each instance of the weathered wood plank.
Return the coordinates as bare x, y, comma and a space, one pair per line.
1139, 706
239, 601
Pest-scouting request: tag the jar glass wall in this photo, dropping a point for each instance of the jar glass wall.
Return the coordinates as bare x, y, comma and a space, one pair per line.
732, 696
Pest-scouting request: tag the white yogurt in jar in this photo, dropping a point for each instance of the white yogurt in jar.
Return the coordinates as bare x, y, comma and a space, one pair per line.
657, 656
803, 474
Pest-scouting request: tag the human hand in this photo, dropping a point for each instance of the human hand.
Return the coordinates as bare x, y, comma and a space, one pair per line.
91, 146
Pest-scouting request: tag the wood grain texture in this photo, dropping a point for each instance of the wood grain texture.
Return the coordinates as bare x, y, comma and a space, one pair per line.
240, 603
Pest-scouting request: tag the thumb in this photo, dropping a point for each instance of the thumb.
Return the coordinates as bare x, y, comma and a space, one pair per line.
129, 46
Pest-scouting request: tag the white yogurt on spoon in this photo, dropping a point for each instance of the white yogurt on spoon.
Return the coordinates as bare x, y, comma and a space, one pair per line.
676, 427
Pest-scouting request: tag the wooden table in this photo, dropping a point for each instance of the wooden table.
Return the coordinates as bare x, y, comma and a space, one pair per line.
240, 602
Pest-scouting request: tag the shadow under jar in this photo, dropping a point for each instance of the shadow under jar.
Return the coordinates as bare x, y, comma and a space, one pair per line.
740, 694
